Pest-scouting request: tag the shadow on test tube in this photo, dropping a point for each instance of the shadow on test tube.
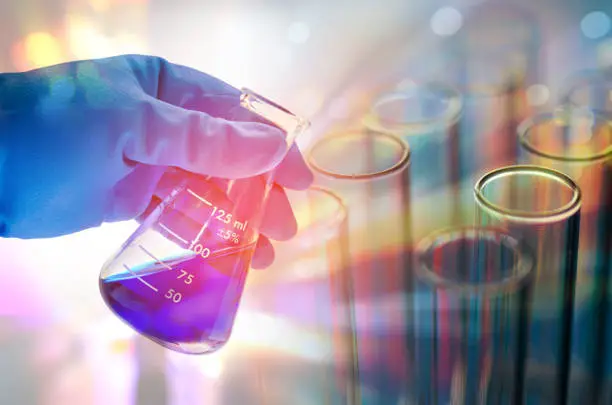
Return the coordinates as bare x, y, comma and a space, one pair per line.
370, 171
540, 207
578, 142
470, 318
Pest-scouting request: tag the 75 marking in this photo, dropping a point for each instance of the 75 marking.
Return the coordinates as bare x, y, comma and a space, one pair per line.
186, 276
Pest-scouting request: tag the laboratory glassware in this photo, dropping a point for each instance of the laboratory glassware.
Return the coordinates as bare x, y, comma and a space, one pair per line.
471, 317
540, 207
307, 295
578, 142
492, 60
425, 115
589, 89
179, 278
370, 171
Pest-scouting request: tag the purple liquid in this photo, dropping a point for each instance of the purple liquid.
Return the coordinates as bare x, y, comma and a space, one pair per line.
195, 304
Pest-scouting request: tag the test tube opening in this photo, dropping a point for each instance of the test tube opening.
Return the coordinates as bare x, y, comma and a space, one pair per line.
482, 262
528, 193
568, 134
319, 213
415, 108
348, 155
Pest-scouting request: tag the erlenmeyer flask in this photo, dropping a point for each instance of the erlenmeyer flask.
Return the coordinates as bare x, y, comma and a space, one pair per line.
179, 278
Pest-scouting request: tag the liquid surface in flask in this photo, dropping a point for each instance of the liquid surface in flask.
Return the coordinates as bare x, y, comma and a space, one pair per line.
193, 303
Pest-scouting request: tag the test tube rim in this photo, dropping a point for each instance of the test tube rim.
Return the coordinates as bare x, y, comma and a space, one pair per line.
340, 214
398, 166
523, 266
539, 217
450, 116
530, 123
325, 231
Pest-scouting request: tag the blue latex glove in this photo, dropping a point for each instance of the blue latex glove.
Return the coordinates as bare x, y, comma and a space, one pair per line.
87, 142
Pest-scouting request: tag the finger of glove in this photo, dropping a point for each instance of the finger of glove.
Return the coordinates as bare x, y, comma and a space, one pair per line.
264, 254
167, 135
189, 88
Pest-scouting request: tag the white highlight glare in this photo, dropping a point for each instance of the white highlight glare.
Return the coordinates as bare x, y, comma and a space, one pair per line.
446, 21
595, 24
604, 54
538, 94
339, 108
298, 32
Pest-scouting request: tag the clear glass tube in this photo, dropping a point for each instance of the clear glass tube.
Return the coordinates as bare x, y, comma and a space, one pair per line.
492, 60
426, 116
305, 297
471, 318
540, 207
370, 171
578, 142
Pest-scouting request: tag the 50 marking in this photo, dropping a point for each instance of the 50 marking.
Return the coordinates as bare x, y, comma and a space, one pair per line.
175, 296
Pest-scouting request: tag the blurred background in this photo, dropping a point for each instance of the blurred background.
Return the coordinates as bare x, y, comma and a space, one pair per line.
326, 60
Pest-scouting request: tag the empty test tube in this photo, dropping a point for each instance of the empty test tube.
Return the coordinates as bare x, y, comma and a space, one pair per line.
425, 116
370, 172
578, 142
308, 289
540, 207
491, 60
471, 318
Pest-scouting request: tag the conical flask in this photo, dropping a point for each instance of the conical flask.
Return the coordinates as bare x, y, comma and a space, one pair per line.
179, 278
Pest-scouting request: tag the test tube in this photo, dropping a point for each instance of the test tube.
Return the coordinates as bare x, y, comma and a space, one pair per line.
491, 60
426, 116
471, 317
305, 296
540, 207
370, 171
578, 142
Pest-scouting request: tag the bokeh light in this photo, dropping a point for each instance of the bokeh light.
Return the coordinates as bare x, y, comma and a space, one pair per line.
41, 49
446, 21
538, 95
595, 25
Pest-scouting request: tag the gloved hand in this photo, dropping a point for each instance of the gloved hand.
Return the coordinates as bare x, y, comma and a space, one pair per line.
87, 142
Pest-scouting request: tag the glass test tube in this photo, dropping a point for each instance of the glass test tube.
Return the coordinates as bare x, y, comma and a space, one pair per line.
370, 171
306, 295
425, 116
540, 207
578, 142
491, 60
471, 318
